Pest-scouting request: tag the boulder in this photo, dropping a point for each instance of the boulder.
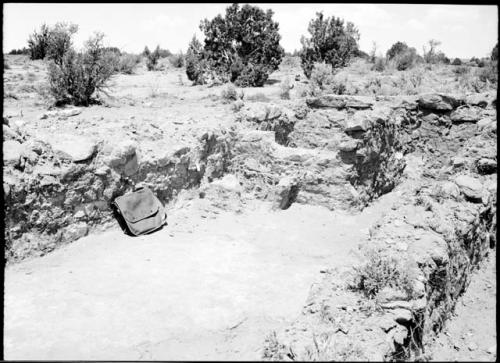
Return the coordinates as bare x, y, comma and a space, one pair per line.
486, 166
62, 113
439, 102
9, 134
360, 121
349, 145
229, 182
484, 122
12, 151
358, 102
330, 101
478, 99
73, 147
470, 187
466, 114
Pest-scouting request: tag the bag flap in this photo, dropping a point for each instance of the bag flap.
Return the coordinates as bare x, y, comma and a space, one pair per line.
137, 205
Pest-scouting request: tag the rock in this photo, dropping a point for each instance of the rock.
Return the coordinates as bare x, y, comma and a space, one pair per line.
478, 99
472, 346
449, 189
360, 121
286, 193
330, 101
122, 152
402, 316
102, 170
470, 187
75, 231
73, 147
358, 102
458, 161
466, 114
349, 145
484, 122
80, 214
418, 289
388, 294
399, 334
12, 151
62, 113
438, 102
492, 350
9, 134
229, 182
486, 166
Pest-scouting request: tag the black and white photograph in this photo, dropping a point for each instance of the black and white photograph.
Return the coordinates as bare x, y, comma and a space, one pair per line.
249, 182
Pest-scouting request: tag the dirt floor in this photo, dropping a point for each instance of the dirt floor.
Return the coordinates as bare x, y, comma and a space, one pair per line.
201, 288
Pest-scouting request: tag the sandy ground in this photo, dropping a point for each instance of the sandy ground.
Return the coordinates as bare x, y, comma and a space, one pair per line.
200, 288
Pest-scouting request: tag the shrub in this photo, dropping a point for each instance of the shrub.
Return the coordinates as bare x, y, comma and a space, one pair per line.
38, 43
177, 60
80, 75
230, 94
127, 63
494, 53
396, 49
164, 53
331, 41
379, 64
242, 47
23, 51
405, 60
321, 77
195, 65
489, 73
60, 41
382, 271
456, 62
152, 59
285, 88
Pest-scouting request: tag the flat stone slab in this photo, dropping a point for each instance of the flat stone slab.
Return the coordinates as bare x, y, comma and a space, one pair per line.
73, 147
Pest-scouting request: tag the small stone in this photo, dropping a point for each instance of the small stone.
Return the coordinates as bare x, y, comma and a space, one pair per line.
12, 151
472, 346
402, 316
492, 349
79, 214
471, 187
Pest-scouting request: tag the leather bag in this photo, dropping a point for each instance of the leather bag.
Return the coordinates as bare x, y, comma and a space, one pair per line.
141, 211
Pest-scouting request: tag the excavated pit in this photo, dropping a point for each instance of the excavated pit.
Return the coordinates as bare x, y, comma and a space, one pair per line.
337, 152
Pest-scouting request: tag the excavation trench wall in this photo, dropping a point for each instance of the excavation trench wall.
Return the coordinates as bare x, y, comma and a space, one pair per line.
51, 200
442, 226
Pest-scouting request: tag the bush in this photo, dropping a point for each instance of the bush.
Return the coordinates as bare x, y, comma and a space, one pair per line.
80, 75
38, 43
405, 60
195, 65
321, 76
382, 271
489, 73
379, 64
60, 41
127, 63
177, 60
230, 94
494, 53
23, 51
285, 88
456, 62
396, 49
152, 59
242, 47
331, 41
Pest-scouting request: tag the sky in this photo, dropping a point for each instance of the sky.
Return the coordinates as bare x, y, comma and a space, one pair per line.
463, 30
